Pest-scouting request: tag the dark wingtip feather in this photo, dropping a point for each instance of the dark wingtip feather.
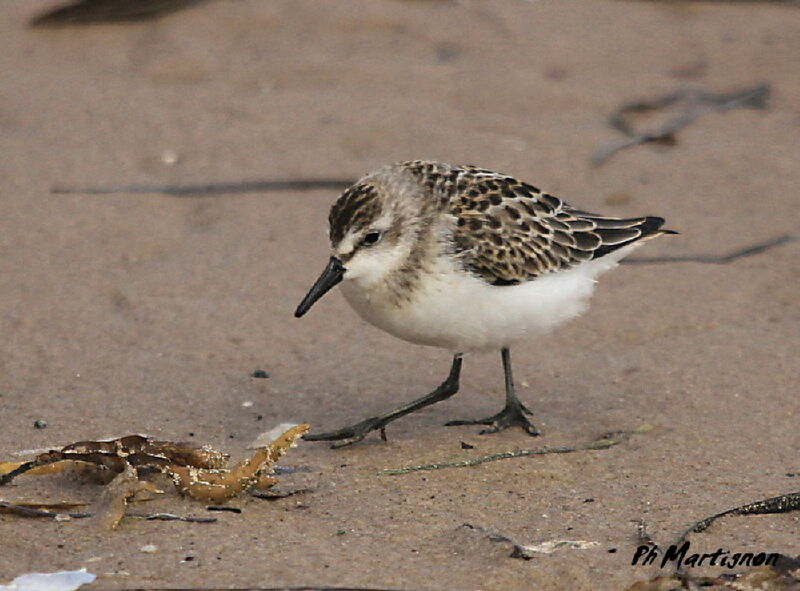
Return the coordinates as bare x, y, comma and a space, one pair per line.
649, 227
652, 225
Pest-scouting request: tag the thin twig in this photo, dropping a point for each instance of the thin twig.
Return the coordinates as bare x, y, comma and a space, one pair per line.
606, 441
780, 504
31, 512
259, 186
85, 12
714, 259
272, 495
697, 103
171, 517
21, 469
223, 508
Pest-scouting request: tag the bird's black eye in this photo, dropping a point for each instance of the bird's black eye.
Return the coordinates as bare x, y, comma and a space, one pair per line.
371, 238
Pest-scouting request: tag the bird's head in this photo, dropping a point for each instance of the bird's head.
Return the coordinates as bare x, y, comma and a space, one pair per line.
373, 227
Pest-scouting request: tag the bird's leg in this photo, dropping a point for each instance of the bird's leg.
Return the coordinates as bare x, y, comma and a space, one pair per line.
356, 432
513, 414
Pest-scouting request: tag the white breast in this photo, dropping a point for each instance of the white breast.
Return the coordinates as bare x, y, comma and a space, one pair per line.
454, 310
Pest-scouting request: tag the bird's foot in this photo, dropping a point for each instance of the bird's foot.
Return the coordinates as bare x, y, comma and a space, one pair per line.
352, 434
513, 415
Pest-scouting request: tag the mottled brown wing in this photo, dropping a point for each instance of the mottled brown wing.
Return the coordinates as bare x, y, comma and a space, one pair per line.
508, 231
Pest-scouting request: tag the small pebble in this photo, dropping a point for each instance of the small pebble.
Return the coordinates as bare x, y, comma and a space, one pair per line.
465, 445
247, 403
169, 157
39, 424
148, 548
259, 373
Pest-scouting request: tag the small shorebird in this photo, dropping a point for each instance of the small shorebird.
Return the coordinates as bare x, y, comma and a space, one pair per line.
465, 259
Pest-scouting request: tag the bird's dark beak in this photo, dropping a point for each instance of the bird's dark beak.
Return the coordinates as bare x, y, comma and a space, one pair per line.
330, 277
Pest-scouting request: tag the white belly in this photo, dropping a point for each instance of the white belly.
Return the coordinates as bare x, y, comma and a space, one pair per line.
453, 310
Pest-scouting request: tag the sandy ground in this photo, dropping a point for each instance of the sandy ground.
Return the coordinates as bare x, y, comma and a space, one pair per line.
148, 313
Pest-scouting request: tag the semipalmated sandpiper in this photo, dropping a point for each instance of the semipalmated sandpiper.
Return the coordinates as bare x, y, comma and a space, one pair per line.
465, 259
